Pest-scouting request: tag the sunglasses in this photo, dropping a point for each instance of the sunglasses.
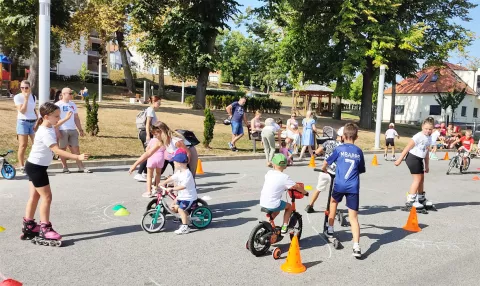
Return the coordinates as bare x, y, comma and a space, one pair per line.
24, 87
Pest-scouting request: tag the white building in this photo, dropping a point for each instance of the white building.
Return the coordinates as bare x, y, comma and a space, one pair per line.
116, 58
415, 97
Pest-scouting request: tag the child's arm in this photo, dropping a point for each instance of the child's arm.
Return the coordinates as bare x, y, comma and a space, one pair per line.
330, 160
319, 150
145, 156
300, 189
361, 167
407, 148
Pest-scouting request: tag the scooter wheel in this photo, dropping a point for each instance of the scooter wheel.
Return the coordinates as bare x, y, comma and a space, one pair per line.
336, 244
276, 253
246, 245
424, 211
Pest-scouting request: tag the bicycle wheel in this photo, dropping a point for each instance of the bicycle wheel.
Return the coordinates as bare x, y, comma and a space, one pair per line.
451, 164
153, 221
254, 244
201, 217
8, 171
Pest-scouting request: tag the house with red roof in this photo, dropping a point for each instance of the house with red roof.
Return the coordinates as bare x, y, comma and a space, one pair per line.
415, 96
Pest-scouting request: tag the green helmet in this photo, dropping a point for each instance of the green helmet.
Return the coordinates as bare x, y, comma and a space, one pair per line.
279, 160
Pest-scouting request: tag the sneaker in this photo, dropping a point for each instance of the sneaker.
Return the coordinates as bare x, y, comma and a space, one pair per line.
84, 171
183, 229
140, 177
22, 171
66, 171
230, 145
147, 195
284, 229
385, 156
329, 231
357, 252
309, 209
393, 158
434, 157
234, 149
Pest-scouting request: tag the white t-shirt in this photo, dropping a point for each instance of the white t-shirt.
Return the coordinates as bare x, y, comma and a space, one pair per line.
391, 133
65, 107
30, 114
41, 153
422, 143
435, 136
172, 148
185, 178
152, 115
276, 183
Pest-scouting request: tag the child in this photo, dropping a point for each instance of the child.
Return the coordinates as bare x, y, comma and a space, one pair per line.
467, 145
41, 155
350, 164
435, 135
286, 152
324, 180
277, 182
185, 184
390, 135
154, 164
417, 151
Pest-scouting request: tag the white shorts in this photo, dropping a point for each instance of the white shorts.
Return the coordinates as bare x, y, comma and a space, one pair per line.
324, 181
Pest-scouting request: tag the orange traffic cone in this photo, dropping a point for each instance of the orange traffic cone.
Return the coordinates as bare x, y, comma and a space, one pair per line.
199, 168
374, 161
294, 261
312, 162
10, 282
412, 222
446, 157
476, 178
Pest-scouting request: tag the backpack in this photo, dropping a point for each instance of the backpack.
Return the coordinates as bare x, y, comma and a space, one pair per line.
141, 120
189, 136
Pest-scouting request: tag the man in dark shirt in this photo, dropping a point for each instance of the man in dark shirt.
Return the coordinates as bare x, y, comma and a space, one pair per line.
236, 115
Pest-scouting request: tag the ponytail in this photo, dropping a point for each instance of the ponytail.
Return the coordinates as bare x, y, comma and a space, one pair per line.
45, 109
37, 124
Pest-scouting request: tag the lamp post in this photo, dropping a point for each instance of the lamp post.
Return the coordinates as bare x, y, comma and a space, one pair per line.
378, 129
44, 51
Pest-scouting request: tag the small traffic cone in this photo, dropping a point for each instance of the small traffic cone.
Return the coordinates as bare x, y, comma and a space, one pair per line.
10, 282
2, 229
412, 222
446, 157
312, 162
375, 161
476, 178
294, 260
199, 168
121, 212
117, 207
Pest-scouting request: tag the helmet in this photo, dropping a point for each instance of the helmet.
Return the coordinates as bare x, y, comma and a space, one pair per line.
227, 121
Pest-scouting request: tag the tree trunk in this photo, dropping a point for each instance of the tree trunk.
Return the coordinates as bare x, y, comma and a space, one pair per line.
33, 75
161, 79
366, 107
337, 114
125, 64
392, 108
202, 79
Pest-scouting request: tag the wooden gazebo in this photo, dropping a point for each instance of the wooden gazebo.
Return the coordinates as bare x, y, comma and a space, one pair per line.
307, 95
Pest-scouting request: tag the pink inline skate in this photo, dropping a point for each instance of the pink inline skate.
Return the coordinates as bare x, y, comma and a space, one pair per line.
47, 236
30, 229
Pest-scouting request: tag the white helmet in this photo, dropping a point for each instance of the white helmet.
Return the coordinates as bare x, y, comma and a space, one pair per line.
340, 131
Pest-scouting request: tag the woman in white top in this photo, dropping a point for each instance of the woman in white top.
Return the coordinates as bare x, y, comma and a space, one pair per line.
26, 117
41, 155
293, 132
145, 135
416, 153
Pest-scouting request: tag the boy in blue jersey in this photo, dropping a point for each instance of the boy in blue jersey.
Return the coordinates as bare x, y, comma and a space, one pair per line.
350, 164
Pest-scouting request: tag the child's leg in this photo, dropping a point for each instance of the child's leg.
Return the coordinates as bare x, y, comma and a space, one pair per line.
287, 214
332, 212
393, 150
32, 202
158, 173
183, 216
417, 180
46, 196
420, 184
310, 151
314, 197
149, 180
353, 217
386, 151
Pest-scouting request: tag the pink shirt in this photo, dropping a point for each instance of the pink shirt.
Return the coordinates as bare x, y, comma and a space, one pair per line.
159, 155
284, 151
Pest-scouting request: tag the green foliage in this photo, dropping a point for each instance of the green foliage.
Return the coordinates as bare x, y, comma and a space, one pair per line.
189, 100
209, 125
92, 115
266, 105
451, 99
83, 73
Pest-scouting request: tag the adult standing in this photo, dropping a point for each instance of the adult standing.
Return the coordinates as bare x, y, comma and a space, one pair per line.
27, 115
308, 135
237, 115
145, 134
268, 139
70, 130
293, 132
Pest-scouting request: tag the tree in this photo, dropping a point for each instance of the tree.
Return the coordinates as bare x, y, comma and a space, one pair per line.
209, 125
83, 74
92, 115
444, 101
456, 98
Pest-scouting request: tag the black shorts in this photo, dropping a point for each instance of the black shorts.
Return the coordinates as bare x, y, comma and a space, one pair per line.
390, 142
415, 164
37, 174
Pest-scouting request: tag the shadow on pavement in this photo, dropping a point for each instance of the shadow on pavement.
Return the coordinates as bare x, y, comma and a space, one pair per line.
211, 174
214, 184
232, 208
234, 222
375, 209
101, 233
456, 204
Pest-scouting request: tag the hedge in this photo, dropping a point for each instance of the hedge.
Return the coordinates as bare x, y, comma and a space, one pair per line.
265, 105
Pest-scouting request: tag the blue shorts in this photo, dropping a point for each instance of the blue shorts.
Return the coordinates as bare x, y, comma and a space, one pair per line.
25, 127
184, 205
237, 128
353, 201
281, 207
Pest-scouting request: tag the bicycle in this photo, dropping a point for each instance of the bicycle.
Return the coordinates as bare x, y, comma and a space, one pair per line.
7, 170
457, 162
266, 233
153, 220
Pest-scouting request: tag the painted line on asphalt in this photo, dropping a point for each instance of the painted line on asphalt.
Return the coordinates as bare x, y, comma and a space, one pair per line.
154, 281
328, 244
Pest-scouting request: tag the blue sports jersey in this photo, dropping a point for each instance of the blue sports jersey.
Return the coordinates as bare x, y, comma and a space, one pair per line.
350, 164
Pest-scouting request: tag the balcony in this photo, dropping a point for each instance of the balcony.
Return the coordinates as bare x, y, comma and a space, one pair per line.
93, 68
92, 53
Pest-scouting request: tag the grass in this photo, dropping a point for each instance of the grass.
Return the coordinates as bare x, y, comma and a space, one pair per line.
118, 135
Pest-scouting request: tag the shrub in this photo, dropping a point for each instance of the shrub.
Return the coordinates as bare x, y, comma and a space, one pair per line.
208, 126
92, 115
190, 100
253, 104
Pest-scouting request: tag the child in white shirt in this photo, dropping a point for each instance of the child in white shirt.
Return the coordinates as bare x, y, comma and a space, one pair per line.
390, 135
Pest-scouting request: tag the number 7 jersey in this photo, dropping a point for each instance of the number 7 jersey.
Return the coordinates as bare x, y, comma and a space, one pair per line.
350, 164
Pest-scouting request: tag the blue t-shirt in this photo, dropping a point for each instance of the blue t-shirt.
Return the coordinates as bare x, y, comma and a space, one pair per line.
350, 164
237, 112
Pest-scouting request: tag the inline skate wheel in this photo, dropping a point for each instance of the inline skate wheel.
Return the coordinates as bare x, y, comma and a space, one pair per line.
336, 244
276, 253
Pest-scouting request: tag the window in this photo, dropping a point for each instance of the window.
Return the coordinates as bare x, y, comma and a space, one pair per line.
464, 111
475, 112
435, 110
434, 78
422, 78
478, 81
399, 109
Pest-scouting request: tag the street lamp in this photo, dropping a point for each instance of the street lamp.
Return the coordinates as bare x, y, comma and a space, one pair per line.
378, 128
44, 51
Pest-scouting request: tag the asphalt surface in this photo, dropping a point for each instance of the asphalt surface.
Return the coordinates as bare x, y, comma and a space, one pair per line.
102, 249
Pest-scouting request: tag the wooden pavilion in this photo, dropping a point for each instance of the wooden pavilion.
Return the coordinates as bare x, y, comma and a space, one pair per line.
302, 99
